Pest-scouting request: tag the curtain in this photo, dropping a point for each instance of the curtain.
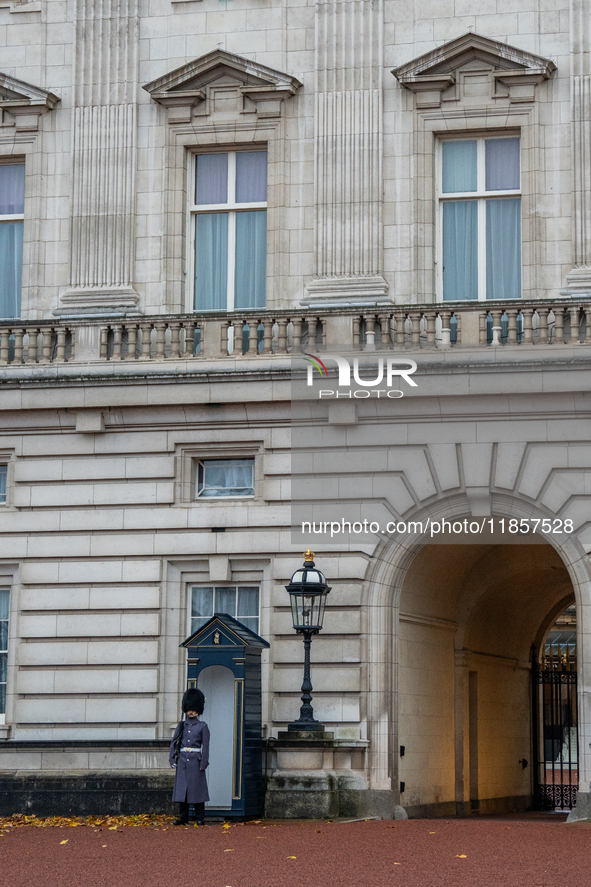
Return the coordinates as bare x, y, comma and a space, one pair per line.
211, 179
248, 602
211, 261
3, 473
201, 607
251, 260
227, 478
225, 601
459, 166
251, 177
460, 250
12, 189
502, 164
11, 268
503, 248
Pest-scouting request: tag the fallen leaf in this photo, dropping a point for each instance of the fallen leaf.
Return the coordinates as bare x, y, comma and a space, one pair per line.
104, 845
292, 857
397, 863
461, 856
228, 851
64, 842
431, 833
112, 828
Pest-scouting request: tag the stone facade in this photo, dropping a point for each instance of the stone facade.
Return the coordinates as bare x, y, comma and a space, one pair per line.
113, 389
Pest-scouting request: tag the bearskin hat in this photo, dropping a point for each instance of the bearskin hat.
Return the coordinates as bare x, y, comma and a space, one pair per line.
193, 700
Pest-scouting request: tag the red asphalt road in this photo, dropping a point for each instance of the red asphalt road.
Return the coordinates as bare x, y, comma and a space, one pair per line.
415, 853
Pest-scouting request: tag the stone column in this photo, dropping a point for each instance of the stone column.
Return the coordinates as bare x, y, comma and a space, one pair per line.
103, 154
579, 279
348, 153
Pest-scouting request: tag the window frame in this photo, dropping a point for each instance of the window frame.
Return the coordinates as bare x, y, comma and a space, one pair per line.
15, 217
4, 465
195, 480
4, 587
481, 196
222, 586
232, 208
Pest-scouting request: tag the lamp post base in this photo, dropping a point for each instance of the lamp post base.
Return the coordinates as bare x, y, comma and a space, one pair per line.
306, 727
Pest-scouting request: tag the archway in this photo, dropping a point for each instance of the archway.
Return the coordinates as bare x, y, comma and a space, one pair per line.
468, 616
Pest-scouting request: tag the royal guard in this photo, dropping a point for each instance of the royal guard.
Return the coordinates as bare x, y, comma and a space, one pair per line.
189, 754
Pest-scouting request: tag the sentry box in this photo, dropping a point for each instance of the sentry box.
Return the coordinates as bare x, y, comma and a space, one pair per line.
224, 659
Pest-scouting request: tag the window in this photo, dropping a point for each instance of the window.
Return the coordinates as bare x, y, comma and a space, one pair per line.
12, 207
219, 478
241, 602
480, 219
4, 600
230, 230
3, 475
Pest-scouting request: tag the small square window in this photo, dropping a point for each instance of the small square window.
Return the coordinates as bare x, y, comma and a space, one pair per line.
222, 478
3, 475
241, 602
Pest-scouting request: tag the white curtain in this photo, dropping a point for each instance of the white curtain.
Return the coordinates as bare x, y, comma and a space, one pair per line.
212, 179
502, 164
251, 177
211, 262
251, 260
460, 250
11, 268
3, 471
225, 478
12, 189
459, 166
503, 248
201, 607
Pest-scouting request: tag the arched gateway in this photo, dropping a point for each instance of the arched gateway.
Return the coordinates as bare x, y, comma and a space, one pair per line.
450, 636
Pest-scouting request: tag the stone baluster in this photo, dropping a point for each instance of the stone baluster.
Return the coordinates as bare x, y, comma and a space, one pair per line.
160, 327
32, 334
558, 311
543, 315
131, 340
573, 310
146, 329
104, 346
282, 335
311, 332
253, 336
401, 329
527, 315
482, 319
268, 335
4, 345
496, 327
297, 334
512, 326
384, 320
370, 334
61, 343
189, 327
445, 316
117, 331
415, 319
430, 316
45, 332
175, 336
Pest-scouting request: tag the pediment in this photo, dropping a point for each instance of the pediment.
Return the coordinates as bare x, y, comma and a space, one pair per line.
191, 84
512, 69
24, 102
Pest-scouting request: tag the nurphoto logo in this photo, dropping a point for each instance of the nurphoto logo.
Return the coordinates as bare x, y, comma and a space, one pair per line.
387, 369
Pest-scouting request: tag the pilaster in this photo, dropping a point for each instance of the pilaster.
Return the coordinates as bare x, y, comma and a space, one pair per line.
103, 155
348, 153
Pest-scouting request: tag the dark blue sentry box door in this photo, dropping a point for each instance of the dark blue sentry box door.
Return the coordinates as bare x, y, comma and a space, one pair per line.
224, 659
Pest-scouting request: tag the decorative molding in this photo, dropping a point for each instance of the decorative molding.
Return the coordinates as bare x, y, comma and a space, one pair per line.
187, 87
348, 182
432, 74
23, 104
27, 6
104, 155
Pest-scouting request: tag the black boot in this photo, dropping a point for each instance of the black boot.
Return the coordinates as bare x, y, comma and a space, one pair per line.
200, 813
183, 814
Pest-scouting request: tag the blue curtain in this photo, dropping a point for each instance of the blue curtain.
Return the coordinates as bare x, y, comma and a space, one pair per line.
460, 250
211, 262
251, 260
459, 166
12, 189
503, 248
251, 177
502, 164
211, 179
11, 268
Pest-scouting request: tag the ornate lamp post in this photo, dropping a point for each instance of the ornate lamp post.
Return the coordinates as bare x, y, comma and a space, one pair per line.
307, 593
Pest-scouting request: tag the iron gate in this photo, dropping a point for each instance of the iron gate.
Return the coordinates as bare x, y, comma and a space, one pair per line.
555, 728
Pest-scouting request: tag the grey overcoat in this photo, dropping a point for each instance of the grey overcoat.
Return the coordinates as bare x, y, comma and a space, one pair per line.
190, 782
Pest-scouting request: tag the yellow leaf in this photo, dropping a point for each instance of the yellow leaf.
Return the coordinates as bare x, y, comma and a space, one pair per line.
461, 856
292, 857
397, 863
112, 828
228, 851
64, 842
104, 845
